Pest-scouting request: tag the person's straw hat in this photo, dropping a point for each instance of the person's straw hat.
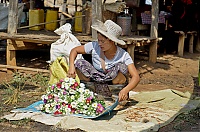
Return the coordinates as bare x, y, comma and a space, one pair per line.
109, 29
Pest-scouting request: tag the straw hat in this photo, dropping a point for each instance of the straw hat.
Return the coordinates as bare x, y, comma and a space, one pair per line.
109, 29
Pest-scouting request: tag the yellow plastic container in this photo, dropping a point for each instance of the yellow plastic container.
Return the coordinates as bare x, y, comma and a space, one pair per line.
36, 16
51, 15
78, 22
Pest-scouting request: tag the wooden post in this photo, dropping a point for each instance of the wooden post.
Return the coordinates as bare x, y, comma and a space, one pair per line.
76, 5
63, 9
32, 4
10, 53
198, 42
181, 44
130, 50
199, 74
191, 40
12, 29
154, 31
83, 19
154, 17
13, 17
96, 15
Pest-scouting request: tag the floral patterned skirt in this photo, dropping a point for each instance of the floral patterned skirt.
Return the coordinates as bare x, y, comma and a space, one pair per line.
101, 79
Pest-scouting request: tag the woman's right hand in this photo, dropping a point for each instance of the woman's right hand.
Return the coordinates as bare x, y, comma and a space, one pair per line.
71, 72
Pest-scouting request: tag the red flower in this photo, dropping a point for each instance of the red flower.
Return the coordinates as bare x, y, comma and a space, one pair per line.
58, 85
69, 106
88, 100
73, 110
50, 96
76, 84
64, 104
57, 112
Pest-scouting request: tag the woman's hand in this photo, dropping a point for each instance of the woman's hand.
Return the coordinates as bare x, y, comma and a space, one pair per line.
71, 72
123, 95
73, 54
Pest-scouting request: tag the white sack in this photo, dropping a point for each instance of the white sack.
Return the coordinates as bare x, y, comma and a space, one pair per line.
64, 45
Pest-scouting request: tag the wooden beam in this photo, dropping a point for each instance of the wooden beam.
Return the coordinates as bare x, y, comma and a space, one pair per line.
16, 68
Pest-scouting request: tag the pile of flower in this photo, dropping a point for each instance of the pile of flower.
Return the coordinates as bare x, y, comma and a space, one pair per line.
70, 97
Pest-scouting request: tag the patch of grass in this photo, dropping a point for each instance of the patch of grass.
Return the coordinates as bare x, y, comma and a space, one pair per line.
19, 81
22, 122
40, 80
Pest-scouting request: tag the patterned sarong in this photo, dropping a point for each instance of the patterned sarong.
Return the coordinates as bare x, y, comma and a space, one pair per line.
101, 79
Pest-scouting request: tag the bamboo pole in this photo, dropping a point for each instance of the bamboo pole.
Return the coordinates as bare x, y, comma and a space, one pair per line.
64, 13
49, 22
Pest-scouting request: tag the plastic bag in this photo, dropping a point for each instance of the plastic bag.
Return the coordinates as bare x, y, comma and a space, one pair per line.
59, 70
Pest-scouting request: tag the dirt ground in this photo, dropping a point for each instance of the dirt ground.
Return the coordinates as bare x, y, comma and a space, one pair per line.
171, 71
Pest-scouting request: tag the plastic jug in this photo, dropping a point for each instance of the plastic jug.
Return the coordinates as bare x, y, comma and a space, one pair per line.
36, 16
51, 15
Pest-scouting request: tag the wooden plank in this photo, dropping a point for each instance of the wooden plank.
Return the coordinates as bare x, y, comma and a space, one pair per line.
137, 38
13, 17
21, 45
42, 39
27, 36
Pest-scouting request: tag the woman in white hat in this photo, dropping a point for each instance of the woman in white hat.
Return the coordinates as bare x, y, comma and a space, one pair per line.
110, 63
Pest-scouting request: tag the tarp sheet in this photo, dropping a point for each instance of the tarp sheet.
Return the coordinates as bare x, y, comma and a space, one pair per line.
146, 111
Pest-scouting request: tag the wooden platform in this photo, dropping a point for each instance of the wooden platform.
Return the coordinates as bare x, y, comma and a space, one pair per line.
27, 39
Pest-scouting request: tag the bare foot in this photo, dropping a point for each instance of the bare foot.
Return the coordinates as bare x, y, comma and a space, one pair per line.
120, 79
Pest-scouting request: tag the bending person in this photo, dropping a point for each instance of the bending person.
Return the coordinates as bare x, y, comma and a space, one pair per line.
110, 63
